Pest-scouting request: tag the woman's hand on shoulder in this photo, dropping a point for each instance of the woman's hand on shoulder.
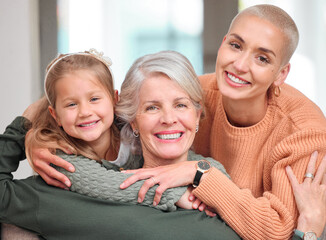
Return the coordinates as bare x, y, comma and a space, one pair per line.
168, 176
41, 163
310, 196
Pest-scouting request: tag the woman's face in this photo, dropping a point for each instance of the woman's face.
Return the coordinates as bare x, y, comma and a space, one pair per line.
166, 120
249, 60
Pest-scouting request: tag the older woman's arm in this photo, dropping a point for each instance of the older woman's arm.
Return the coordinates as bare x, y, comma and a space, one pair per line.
94, 180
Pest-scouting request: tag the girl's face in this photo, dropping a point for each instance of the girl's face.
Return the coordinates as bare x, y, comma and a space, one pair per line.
83, 107
166, 120
249, 60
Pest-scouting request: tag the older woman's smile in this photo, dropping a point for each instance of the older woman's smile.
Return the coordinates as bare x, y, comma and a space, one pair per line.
169, 136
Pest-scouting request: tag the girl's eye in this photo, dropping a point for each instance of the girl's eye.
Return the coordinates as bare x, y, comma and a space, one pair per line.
93, 99
263, 59
71, 104
235, 45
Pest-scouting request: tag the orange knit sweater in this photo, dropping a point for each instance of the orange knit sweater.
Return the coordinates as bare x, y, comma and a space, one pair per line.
258, 202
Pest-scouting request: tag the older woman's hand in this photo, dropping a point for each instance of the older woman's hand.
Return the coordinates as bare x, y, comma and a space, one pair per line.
168, 176
310, 197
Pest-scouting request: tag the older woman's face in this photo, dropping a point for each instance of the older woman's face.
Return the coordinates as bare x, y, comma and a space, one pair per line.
166, 121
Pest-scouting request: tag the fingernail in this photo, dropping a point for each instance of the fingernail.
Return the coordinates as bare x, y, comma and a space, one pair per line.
123, 171
139, 200
195, 206
122, 185
71, 169
154, 203
67, 183
201, 209
66, 188
191, 198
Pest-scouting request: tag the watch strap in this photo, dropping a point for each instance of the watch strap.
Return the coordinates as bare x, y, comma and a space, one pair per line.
197, 178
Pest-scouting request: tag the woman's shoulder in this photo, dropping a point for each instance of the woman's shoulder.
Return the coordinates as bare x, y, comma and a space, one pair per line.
298, 108
208, 81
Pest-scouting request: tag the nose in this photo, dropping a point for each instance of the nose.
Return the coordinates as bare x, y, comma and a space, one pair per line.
168, 117
241, 64
84, 110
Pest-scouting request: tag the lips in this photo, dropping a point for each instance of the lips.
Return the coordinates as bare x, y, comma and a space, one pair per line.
235, 81
88, 124
171, 136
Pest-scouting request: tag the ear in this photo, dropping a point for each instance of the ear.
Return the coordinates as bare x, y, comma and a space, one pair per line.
54, 115
199, 112
133, 125
282, 75
116, 96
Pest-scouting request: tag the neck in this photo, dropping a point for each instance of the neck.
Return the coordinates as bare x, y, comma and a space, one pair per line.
102, 147
153, 161
247, 113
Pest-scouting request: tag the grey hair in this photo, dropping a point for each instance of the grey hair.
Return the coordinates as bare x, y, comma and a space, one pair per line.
279, 18
169, 63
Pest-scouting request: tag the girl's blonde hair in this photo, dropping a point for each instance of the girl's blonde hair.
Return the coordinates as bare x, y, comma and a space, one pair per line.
45, 131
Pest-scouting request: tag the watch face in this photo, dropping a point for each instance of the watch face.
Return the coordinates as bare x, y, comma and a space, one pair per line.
310, 236
204, 165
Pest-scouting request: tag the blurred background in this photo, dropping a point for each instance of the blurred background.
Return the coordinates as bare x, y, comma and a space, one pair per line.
33, 32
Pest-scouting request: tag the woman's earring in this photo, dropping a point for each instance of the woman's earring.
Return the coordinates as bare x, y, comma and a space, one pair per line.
277, 91
135, 133
197, 128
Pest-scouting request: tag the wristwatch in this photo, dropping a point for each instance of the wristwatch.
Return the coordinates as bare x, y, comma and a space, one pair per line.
305, 236
202, 166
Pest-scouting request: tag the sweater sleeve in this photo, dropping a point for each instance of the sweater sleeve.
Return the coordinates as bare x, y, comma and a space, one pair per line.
215, 164
272, 215
92, 179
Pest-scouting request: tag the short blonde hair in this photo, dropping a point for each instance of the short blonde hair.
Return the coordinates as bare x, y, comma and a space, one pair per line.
169, 63
279, 18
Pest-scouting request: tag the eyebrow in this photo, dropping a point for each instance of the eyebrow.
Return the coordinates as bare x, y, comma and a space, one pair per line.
261, 48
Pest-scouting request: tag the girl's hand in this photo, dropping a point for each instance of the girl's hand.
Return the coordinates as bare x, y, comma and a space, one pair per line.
169, 176
310, 197
40, 162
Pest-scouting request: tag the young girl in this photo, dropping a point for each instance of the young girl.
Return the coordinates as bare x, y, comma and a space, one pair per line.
78, 111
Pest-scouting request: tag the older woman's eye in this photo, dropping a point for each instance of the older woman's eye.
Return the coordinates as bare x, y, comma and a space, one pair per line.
151, 108
181, 105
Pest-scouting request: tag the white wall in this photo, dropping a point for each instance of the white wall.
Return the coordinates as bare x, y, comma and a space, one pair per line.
19, 61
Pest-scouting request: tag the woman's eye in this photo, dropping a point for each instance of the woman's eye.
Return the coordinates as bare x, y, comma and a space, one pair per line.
235, 45
181, 105
151, 108
263, 59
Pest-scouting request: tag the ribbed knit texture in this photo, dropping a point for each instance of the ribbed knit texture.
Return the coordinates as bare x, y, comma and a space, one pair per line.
258, 203
100, 181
